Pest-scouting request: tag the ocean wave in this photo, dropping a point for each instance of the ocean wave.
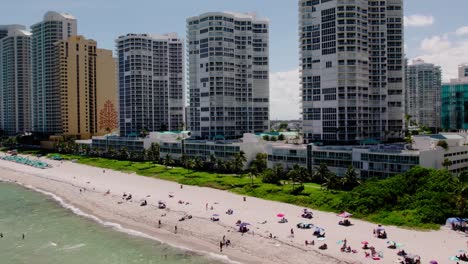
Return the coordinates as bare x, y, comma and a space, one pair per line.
119, 227
74, 246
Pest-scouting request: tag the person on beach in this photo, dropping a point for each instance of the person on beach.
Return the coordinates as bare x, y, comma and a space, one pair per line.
181, 186
206, 206
224, 238
159, 223
1, 235
23, 236
221, 246
292, 232
175, 229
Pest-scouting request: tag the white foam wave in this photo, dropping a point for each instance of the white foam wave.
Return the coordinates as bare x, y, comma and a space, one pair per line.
73, 247
119, 227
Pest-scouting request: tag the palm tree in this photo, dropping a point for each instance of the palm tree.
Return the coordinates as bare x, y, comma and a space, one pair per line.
153, 152
298, 174
350, 179
198, 162
331, 181
447, 163
278, 172
260, 163
321, 173
190, 164
239, 160
184, 160
123, 153
168, 161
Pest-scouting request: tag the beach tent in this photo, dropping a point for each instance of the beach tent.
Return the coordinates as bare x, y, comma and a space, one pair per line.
452, 220
345, 214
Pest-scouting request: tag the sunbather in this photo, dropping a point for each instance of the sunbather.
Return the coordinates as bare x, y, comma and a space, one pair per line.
323, 247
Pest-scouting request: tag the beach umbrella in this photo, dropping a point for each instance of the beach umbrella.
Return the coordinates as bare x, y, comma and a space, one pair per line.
244, 224
453, 258
365, 243
161, 201
433, 262
345, 214
280, 215
321, 238
215, 214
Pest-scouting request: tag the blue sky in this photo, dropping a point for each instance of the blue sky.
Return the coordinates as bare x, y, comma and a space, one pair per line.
434, 32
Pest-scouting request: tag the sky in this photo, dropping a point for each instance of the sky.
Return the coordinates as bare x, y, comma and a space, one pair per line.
435, 31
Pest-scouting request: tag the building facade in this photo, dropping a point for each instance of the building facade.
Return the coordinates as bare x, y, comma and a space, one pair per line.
15, 80
454, 110
228, 75
151, 83
45, 91
352, 69
88, 89
423, 92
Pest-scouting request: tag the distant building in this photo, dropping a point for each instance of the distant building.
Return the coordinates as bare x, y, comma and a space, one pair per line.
46, 108
15, 79
151, 83
88, 89
228, 75
455, 102
423, 92
352, 70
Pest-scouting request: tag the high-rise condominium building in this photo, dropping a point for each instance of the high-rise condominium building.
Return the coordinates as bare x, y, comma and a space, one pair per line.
151, 83
228, 74
15, 79
352, 69
45, 91
88, 90
423, 90
454, 108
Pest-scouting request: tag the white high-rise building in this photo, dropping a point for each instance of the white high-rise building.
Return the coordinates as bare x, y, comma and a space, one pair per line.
228, 75
352, 69
151, 83
423, 93
15, 79
45, 89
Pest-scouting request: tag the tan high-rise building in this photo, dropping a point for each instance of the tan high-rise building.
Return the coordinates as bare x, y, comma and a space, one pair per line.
88, 88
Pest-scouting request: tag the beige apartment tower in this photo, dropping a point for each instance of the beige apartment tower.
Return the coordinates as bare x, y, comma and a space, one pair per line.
87, 88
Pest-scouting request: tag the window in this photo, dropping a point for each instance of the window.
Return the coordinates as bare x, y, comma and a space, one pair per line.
329, 64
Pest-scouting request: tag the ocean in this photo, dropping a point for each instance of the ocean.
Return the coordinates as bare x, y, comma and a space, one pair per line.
56, 235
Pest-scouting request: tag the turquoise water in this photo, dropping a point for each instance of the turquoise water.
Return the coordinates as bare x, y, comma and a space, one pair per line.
55, 235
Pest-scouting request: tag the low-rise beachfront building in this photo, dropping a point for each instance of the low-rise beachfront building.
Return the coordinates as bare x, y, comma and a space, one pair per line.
287, 155
446, 150
385, 160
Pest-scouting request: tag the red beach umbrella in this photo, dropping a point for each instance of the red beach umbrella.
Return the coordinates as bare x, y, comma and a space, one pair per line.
280, 215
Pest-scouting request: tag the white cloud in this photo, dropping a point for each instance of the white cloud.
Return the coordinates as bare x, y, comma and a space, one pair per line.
462, 31
435, 43
284, 95
447, 51
418, 21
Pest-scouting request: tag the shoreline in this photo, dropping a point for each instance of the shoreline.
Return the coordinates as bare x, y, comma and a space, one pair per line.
76, 210
199, 235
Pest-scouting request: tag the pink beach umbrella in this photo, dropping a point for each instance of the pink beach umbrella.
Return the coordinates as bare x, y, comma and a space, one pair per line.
365, 243
433, 262
280, 215
345, 214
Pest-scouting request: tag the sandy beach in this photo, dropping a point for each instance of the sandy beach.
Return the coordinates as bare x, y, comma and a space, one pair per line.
66, 179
